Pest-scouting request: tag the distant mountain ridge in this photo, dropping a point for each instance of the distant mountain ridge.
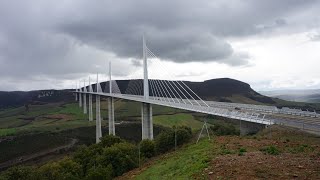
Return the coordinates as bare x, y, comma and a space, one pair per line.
307, 95
224, 90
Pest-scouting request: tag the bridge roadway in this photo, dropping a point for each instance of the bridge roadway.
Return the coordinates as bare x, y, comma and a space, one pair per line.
195, 107
252, 113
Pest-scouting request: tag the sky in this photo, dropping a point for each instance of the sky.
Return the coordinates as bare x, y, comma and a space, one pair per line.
269, 44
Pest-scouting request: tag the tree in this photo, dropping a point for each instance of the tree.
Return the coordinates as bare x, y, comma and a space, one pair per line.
64, 169
147, 148
122, 156
164, 141
100, 173
109, 140
19, 173
183, 135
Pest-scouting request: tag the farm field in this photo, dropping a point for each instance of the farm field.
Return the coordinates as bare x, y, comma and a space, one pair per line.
48, 126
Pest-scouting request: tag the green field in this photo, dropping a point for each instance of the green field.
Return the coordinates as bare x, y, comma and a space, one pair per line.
47, 117
52, 125
178, 120
182, 164
58, 116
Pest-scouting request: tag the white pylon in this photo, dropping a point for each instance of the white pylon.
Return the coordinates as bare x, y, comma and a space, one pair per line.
85, 110
76, 92
146, 108
98, 114
80, 95
111, 106
90, 102
145, 70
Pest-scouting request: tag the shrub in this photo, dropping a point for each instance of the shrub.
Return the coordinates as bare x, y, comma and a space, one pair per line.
87, 156
122, 156
271, 150
224, 129
109, 140
242, 151
18, 173
64, 169
183, 135
164, 141
100, 173
147, 148
225, 150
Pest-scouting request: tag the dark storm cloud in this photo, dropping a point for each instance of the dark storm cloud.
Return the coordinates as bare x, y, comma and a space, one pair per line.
64, 39
180, 30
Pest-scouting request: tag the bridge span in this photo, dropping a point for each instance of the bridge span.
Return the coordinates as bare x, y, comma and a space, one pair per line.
177, 94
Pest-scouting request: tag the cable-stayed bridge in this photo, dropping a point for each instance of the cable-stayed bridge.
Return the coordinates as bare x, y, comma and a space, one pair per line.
177, 94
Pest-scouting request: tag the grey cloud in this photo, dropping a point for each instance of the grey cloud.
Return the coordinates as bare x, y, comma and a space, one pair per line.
314, 36
238, 59
69, 38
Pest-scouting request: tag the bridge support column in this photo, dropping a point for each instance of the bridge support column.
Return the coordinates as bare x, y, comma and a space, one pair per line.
76, 94
98, 120
90, 108
112, 130
84, 103
80, 100
147, 124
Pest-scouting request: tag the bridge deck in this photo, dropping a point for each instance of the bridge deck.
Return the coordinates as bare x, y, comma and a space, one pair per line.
251, 113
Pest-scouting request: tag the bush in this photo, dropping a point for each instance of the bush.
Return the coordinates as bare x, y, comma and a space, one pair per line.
147, 148
100, 173
109, 140
224, 129
87, 156
271, 150
242, 151
122, 156
183, 135
18, 173
166, 139
64, 169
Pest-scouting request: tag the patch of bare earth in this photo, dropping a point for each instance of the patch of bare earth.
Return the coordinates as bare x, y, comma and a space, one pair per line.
298, 158
65, 117
262, 166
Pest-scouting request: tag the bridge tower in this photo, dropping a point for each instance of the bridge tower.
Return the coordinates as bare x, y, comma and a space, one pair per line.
84, 97
111, 106
76, 94
146, 108
98, 114
80, 95
90, 101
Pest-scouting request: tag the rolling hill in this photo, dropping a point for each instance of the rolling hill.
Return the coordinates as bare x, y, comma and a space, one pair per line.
224, 90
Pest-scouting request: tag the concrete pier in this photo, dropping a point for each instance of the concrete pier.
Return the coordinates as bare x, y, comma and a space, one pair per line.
85, 103
147, 123
90, 108
111, 116
98, 120
80, 100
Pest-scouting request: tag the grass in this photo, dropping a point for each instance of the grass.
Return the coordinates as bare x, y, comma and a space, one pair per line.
124, 109
178, 120
183, 164
7, 132
17, 120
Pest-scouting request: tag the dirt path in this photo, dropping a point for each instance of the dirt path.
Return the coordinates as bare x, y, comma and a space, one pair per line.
23, 159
